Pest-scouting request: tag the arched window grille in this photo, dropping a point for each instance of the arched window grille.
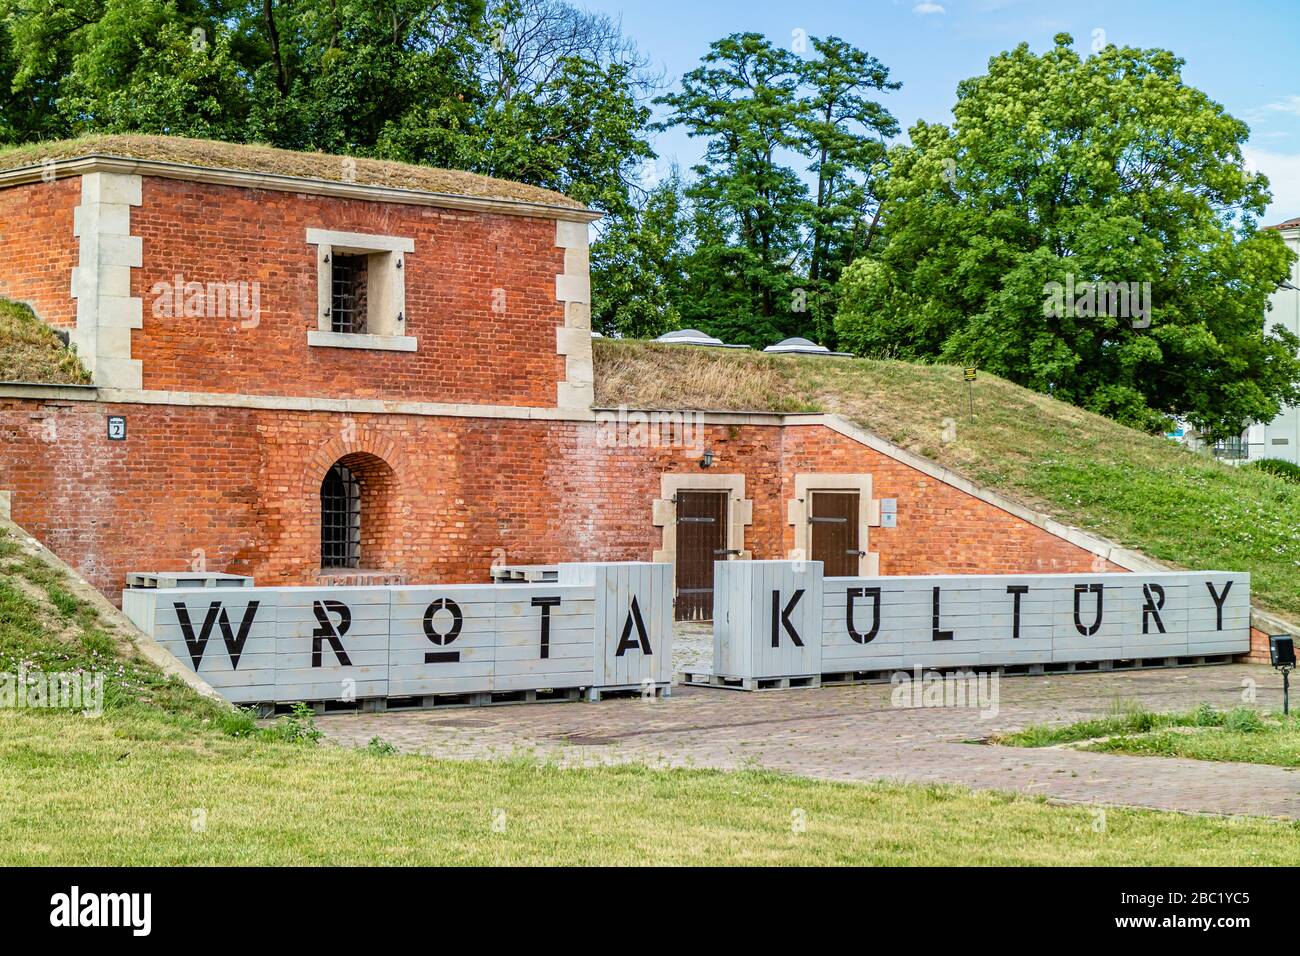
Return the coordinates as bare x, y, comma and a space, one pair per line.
340, 519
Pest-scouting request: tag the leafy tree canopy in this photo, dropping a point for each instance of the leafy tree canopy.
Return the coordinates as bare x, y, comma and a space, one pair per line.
786, 192
1060, 178
531, 90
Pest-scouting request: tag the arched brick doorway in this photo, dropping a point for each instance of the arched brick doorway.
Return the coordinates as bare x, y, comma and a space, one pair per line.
360, 508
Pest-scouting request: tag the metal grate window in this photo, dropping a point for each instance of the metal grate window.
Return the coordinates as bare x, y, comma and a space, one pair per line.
340, 519
348, 276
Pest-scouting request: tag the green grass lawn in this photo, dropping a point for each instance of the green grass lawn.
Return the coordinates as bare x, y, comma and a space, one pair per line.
1142, 491
129, 791
1241, 735
166, 777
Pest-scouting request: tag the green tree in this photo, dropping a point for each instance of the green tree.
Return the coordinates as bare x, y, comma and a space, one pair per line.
638, 270
581, 131
744, 102
843, 132
142, 69
767, 248
1060, 176
532, 90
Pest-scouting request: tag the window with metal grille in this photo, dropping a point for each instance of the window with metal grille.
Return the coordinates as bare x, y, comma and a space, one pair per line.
340, 519
348, 275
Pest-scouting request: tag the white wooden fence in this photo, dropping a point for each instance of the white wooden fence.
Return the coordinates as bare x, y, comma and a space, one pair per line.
633, 615
604, 626
778, 619
767, 618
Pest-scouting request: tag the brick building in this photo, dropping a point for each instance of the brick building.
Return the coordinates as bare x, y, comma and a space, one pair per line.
309, 368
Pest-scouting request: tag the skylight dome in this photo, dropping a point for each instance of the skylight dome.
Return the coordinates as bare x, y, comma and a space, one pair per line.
694, 337
800, 346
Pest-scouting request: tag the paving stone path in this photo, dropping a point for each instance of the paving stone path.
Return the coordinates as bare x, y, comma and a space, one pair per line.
854, 733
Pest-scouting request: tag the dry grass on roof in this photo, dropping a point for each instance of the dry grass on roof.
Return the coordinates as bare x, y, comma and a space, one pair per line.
267, 159
646, 375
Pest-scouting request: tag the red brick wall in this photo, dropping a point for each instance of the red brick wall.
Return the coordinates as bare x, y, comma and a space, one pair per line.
239, 489
941, 530
38, 249
1258, 653
467, 352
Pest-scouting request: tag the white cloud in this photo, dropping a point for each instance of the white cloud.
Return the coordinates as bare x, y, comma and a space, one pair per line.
1288, 104
926, 8
1283, 172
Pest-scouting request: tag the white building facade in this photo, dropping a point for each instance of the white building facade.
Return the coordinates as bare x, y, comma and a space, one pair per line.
1280, 438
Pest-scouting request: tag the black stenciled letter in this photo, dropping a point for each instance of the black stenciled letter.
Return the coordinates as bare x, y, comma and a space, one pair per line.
874, 594
327, 631
441, 640
1155, 603
781, 618
625, 643
216, 615
1079, 590
935, 633
546, 603
1018, 591
1218, 602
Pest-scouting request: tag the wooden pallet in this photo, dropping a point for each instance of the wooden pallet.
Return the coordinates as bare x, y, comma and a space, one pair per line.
845, 678
629, 692
529, 574
379, 705
180, 579
703, 678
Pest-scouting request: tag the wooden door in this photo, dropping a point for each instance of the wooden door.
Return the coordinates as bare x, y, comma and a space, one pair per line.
701, 540
834, 519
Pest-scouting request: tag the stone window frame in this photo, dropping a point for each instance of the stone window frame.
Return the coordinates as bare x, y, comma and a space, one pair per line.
385, 290
805, 483
740, 512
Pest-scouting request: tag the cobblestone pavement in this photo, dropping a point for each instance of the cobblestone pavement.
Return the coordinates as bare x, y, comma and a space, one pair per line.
692, 646
853, 733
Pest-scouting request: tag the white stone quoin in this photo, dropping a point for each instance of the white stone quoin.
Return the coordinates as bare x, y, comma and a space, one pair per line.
573, 339
101, 280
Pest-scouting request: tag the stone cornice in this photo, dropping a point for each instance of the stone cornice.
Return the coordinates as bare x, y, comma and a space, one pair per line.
286, 403
94, 163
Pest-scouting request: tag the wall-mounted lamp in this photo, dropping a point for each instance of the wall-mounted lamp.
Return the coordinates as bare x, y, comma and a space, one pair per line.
706, 460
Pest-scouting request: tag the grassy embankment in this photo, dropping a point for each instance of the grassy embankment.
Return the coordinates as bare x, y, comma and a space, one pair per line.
30, 351
1143, 492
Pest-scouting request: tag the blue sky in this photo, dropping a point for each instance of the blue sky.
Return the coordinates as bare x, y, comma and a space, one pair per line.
1243, 54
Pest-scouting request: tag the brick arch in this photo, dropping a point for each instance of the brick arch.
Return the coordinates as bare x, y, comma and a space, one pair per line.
386, 506
363, 443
